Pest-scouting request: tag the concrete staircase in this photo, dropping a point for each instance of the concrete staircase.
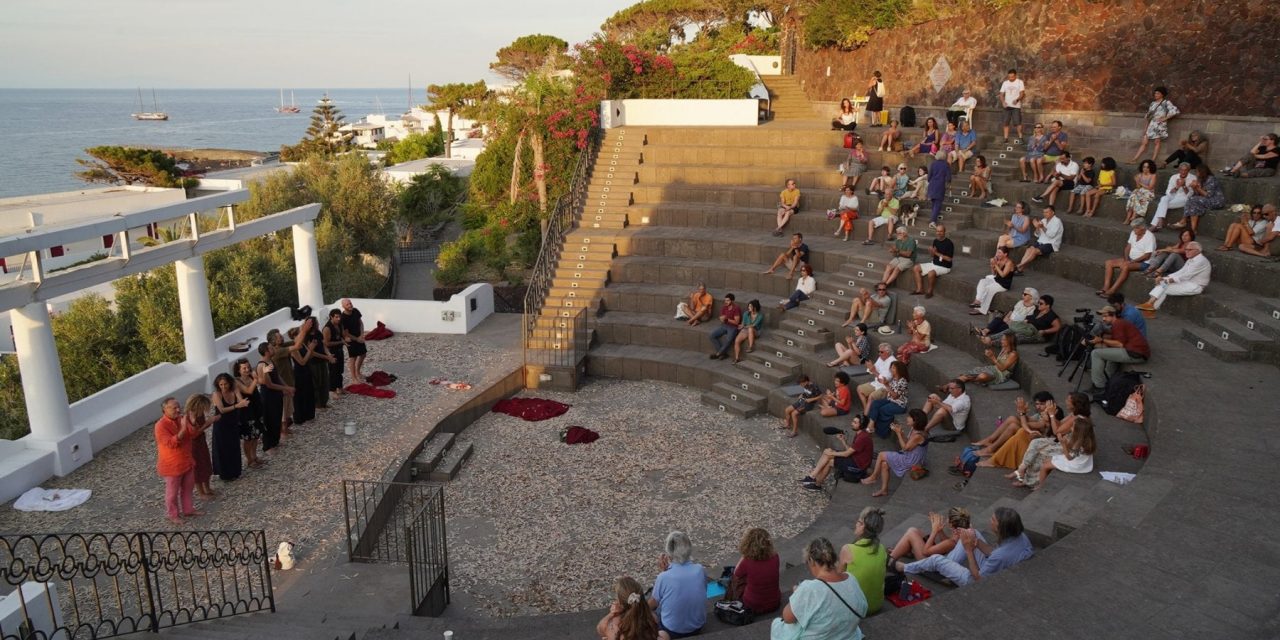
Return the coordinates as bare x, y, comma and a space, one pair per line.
788, 101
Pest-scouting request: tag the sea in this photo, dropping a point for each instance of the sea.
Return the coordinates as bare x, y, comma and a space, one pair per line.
44, 131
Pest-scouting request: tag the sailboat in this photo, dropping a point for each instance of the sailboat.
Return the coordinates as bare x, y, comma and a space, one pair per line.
149, 115
292, 107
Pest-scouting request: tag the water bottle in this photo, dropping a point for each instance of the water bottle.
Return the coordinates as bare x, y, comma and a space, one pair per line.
904, 590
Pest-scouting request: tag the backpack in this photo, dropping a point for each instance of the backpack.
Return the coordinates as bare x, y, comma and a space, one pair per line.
907, 116
1066, 341
966, 463
1119, 387
849, 140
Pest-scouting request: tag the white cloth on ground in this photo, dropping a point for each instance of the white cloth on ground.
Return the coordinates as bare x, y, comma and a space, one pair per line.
37, 499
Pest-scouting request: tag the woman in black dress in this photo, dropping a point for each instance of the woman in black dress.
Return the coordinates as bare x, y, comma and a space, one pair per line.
875, 98
251, 428
333, 344
272, 389
319, 364
230, 406
304, 396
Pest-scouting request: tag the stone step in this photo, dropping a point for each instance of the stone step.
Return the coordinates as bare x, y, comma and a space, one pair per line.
726, 403
1211, 342
1236, 332
449, 467
437, 446
765, 372
771, 360
595, 220
797, 334
736, 394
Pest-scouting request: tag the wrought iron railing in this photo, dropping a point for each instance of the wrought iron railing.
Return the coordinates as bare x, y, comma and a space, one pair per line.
73, 586
428, 558
566, 212
401, 523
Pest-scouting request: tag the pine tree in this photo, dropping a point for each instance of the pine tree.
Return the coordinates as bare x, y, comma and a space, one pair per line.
323, 132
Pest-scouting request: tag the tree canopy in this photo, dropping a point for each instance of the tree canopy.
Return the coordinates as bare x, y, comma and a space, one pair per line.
131, 165
323, 135
458, 98
527, 54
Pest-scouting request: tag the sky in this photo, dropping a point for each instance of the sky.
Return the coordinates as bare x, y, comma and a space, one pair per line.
273, 43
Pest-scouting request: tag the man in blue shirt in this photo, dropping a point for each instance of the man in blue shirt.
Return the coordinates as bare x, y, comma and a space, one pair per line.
680, 591
1128, 312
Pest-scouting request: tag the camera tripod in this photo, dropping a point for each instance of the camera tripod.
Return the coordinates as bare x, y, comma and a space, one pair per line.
1084, 349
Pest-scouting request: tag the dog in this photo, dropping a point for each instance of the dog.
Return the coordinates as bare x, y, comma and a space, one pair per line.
909, 218
284, 556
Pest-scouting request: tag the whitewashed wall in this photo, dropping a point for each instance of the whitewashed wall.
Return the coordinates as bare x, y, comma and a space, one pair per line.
679, 113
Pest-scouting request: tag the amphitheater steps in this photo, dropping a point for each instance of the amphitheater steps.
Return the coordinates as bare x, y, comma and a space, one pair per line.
788, 100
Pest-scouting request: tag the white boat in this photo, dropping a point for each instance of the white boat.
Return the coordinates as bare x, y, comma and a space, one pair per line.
157, 114
292, 107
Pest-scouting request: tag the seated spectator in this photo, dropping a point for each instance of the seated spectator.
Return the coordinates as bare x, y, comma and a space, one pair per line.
730, 324
796, 254
1260, 162
856, 348
855, 165
891, 140
1207, 195
1000, 279
1190, 280
886, 214
852, 461
805, 286
1056, 144
947, 145
1180, 189
929, 140
865, 557
868, 307
962, 107
1061, 177
1128, 312
1076, 455
1158, 116
1042, 326
918, 545
901, 182
1001, 366
1025, 424
941, 253
846, 119
1138, 249
1106, 185
629, 617
939, 180
752, 325
1048, 238
1017, 229
966, 146
980, 179
1120, 343
1252, 233
913, 449
1034, 438
839, 400
846, 212
788, 205
1171, 258
811, 612
1024, 308
810, 396
974, 559
755, 577
1193, 150
881, 184
1144, 191
1043, 449
680, 590
1035, 155
894, 403
920, 336
950, 409
918, 188
902, 256
1086, 183
698, 309
881, 370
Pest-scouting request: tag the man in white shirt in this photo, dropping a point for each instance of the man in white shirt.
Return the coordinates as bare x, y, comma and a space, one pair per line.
1175, 195
1139, 249
1048, 238
953, 410
1012, 91
881, 374
1063, 177
1190, 280
964, 106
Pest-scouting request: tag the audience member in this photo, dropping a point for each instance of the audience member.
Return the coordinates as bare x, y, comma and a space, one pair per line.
846, 212
1001, 366
920, 336
962, 108
1158, 116
855, 165
939, 180
752, 325
917, 545
846, 119
1262, 245
980, 560
881, 372
869, 308
1207, 195
354, 335
1042, 326
1000, 279
1120, 343
912, 451
699, 307
852, 461
891, 139
810, 396
942, 251
1033, 440
1086, 183
796, 254
730, 324
805, 286
1017, 229
197, 419
1076, 455
1260, 162
1193, 149
1042, 449
755, 577
1035, 154
1056, 143
1144, 191
902, 256
881, 184
901, 181
894, 403
875, 98
812, 608
174, 462
1128, 312
1063, 176
1181, 187
1138, 249
980, 179
629, 617
1012, 91
929, 140
788, 205
839, 400
1026, 423
680, 590
1048, 238
856, 348
966, 146
1106, 185
230, 407
1250, 231
1022, 309
948, 144
865, 557
918, 187
949, 409
1171, 258
1190, 280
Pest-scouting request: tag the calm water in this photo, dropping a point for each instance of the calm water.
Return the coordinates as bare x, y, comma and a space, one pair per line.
43, 131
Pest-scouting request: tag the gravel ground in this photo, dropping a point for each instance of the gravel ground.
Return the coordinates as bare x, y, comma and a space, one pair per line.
536, 526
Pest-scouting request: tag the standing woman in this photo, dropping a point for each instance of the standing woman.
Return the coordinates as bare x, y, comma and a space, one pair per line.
273, 391
282, 361
1158, 115
304, 398
174, 462
875, 98
333, 344
196, 420
752, 325
231, 408
319, 364
251, 428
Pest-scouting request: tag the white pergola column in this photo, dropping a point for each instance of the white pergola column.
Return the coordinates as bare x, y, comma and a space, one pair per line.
197, 317
306, 260
47, 409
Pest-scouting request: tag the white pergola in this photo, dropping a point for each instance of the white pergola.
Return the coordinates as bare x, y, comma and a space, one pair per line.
46, 397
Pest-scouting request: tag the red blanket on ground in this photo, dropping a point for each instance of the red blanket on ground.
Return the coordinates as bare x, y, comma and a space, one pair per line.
380, 378
381, 332
370, 390
531, 409
918, 594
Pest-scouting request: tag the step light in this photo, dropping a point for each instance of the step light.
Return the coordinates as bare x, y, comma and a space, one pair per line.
1249, 325
1226, 336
